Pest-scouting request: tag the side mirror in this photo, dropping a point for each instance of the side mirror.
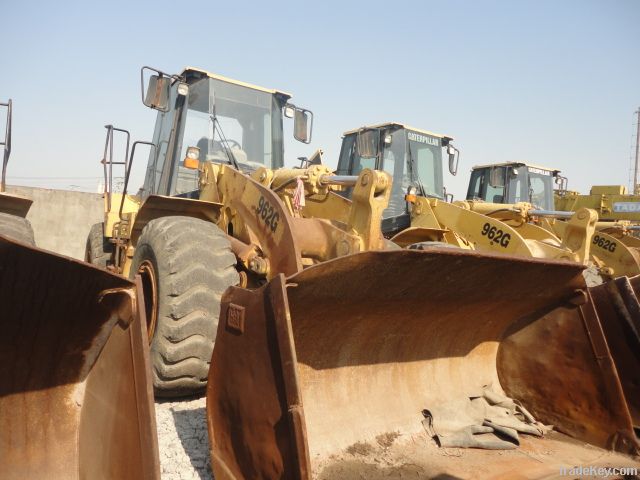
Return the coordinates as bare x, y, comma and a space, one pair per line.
156, 95
367, 144
562, 182
454, 159
496, 177
302, 124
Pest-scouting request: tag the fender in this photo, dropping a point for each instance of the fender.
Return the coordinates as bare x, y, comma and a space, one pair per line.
157, 206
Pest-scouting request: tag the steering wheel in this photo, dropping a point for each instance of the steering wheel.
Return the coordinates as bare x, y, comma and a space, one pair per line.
231, 143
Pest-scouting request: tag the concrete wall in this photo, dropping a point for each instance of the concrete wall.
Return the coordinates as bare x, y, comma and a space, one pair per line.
61, 219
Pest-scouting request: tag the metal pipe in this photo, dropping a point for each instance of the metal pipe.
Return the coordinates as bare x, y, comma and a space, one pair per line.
345, 180
550, 213
635, 190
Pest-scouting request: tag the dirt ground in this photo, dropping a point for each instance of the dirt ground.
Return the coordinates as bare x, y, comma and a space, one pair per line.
418, 457
183, 440
184, 454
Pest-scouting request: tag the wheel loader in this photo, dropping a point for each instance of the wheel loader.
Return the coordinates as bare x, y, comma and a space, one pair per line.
419, 210
76, 400
614, 248
185, 247
13, 208
326, 338
515, 182
421, 217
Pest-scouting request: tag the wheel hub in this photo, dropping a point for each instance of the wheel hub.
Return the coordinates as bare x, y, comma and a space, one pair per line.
150, 295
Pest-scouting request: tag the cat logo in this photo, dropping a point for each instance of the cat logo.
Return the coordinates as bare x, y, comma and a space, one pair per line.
539, 171
416, 137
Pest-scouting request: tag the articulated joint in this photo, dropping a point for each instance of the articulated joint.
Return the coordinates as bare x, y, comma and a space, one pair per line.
249, 256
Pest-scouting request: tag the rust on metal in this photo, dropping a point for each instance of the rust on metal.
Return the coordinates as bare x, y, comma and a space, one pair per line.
271, 425
617, 306
235, 317
573, 380
243, 197
149, 282
357, 347
75, 391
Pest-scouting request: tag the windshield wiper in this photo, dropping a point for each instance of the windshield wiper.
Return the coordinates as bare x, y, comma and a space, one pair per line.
415, 178
223, 141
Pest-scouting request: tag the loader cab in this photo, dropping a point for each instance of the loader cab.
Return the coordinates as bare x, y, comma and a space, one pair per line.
512, 183
206, 117
412, 157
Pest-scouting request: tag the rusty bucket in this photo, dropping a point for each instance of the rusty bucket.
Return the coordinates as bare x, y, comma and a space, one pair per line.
75, 393
354, 350
619, 311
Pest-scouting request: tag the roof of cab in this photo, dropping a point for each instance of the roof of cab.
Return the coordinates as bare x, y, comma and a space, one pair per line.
397, 124
235, 82
515, 164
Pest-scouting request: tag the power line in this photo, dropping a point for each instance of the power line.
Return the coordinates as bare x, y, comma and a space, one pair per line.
53, 178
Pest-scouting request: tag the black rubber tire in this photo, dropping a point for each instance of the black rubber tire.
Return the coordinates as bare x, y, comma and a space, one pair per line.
99, 249
193, 265
17, 228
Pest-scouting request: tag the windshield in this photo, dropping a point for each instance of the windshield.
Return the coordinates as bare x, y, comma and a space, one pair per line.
426, 154
412, 159
533, 185
541, 190
229, 124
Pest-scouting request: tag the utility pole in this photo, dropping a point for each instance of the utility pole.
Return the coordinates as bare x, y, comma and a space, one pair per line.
636, 190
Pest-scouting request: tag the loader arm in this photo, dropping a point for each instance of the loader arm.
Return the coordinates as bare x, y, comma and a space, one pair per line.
608, 252
258, 211
488, 233
254, 213
574, 245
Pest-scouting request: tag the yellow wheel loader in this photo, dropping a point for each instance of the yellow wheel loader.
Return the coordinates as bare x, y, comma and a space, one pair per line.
419, 210
327, 343
529, 188
75, 390
183, 245
354, 357
421, 218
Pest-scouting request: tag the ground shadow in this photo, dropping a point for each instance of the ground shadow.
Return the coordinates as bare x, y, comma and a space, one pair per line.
191, 426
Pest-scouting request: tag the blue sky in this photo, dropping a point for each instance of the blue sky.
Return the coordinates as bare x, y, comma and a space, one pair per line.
549, 82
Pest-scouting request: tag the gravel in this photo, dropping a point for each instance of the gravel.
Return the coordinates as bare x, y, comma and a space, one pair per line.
183, 440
